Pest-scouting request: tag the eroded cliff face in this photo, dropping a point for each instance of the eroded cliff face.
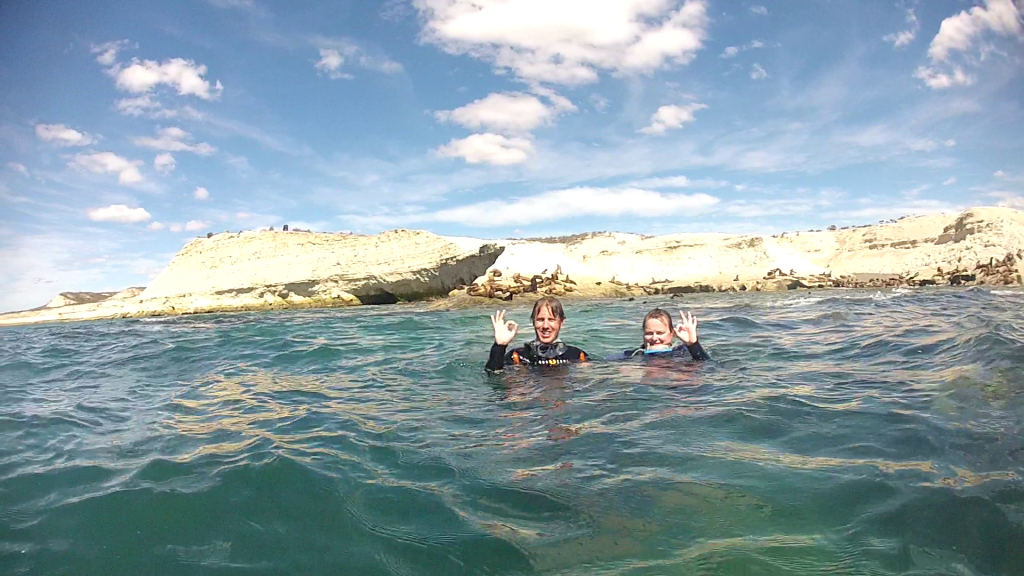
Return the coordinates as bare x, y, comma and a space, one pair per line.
268, 270
275, 270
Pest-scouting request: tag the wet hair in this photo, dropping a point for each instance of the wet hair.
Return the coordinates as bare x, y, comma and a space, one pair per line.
657, 314
552, 304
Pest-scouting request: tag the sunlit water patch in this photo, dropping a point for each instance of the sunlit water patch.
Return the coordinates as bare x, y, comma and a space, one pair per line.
835, 432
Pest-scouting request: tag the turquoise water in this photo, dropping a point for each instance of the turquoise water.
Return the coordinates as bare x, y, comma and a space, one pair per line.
834, 433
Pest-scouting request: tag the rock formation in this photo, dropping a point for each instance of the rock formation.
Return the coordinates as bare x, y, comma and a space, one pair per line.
267, 270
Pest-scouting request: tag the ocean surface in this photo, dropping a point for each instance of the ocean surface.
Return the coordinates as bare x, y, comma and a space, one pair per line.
839, 432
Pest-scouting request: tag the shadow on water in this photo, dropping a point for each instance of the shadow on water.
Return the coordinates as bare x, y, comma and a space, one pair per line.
854, 433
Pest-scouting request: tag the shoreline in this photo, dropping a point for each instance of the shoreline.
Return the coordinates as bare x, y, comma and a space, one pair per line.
270, 270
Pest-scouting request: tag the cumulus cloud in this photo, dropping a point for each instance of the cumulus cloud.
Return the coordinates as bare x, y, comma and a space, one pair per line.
118, 213
330, 63
511, 112
18, 167
106, 53
570, 41
142, 76
759, 10
156, 226
109, 163
937, 80
757, 72
999, 174
164, 163
671, 117
950, 142
175, 140
137, 106
575, 202
201, 193
600, 102
949, 182
960, 33
62, 135
488, 148
190, 226
901, 39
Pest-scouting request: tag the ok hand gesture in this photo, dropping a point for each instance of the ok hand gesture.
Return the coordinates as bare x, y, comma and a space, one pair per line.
687, 328
504, 331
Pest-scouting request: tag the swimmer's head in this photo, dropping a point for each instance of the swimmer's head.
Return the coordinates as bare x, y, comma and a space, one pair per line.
658, 330
547, 317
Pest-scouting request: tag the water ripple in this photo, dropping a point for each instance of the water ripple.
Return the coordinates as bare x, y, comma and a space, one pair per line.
843, 432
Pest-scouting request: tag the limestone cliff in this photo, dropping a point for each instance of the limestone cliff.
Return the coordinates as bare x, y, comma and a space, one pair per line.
266, 269
271, 270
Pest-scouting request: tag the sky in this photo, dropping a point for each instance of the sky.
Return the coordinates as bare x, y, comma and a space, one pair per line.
129, 128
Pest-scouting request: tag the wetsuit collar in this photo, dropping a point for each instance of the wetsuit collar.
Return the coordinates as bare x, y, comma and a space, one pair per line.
546, 351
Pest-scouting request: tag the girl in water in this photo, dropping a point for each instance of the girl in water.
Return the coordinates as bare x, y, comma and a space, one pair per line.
544, 350
659, 333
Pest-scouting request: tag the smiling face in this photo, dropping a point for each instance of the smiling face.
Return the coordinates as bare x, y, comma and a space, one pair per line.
657, 334
547, 325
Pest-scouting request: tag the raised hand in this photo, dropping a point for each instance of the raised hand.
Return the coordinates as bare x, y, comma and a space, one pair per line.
504, 331
687, 328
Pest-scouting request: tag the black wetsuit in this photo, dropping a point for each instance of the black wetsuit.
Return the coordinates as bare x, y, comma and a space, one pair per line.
697, 352
534, 353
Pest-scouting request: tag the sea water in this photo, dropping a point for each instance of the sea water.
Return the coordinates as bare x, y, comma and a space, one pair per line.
838, 432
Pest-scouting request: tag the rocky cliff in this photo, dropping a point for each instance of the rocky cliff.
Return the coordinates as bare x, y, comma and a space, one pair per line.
267, 270
272, 270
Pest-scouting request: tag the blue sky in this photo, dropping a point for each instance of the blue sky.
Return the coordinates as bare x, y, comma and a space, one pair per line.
129, 128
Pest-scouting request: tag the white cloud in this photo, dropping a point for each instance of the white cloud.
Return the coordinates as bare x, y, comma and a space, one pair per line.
194, 225
201, 193
576, 202
949, 182
62, 135
184, 75
488, 148
175, 140
107, 52
733, 51
156, 226
758, 73
19, 168
901, 39
999, 174
671, 117
1009, 200
137, 106
336, 53
950, 143
676, 182
759, 10
569, 41
118, 213
958, 33
330, 62
109, 163
164, 163
510, 112
938, 80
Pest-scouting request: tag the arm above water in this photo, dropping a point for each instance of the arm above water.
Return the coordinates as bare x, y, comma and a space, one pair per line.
498, 358
697, 352
686, 330
504, 332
